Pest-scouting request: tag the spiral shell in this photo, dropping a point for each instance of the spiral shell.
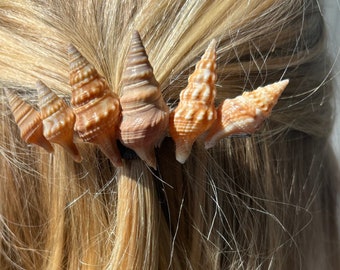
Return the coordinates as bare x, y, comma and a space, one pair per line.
28, 121
58, 120
245, 113
97, 108
145, 115
195, 112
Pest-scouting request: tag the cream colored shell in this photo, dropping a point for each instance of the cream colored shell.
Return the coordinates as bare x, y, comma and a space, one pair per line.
245, 113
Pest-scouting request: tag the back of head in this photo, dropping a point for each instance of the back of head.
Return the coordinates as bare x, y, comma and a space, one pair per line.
265, 201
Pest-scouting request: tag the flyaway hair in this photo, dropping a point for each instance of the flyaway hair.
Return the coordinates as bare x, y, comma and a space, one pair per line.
256, 191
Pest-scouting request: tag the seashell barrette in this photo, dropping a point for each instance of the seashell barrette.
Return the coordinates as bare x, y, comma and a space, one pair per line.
139, 120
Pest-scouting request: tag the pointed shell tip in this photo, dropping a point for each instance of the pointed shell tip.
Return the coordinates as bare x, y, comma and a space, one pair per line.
71, 49
284, 82
212, 43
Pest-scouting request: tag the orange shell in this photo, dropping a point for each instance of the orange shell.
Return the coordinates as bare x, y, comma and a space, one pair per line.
28, 121
145, 115
58, 120
97, 108
195, 112
245, 113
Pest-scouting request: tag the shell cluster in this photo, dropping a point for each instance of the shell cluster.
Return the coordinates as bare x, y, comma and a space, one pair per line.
140, 118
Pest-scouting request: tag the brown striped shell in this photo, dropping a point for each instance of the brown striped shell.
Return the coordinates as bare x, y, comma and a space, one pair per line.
145, 114
97, 108
245, 113
28, 121
58, 120
195, 112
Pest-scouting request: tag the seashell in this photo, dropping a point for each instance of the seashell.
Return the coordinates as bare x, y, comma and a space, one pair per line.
245, 113
28, 120
195, 112
58, 120
97, 108
145, 115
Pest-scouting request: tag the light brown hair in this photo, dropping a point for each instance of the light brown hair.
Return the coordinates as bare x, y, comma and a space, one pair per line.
261, 202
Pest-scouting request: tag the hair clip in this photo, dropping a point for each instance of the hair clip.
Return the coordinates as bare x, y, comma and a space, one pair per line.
244, 114
97, 108
195, 112
145, 115
28, 121
58, 120
138, 122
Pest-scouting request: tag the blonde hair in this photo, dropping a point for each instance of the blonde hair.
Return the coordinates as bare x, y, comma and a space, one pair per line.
260, 202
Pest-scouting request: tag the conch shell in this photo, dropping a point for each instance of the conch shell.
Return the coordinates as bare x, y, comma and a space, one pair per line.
58, 120
145, 115
28, 121
97, 108
245, 113
195, 112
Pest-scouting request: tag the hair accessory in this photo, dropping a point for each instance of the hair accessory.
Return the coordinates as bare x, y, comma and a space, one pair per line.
245, 113
195, 112
97, 108
145, 115
58, 120
28, 121
138, 122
